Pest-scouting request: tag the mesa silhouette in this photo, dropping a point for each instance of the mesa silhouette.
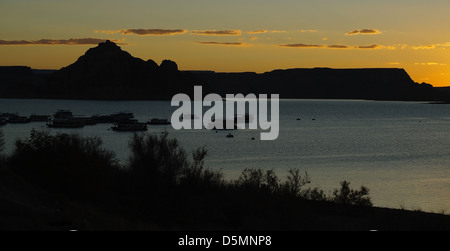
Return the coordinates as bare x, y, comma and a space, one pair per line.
108, 72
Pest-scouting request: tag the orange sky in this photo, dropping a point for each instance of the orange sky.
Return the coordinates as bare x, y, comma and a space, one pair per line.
250, 35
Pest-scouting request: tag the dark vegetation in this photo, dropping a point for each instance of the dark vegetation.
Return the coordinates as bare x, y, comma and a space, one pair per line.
66, 181
2, 142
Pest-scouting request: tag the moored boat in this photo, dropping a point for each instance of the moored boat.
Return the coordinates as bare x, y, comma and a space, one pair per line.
18, 120
39, 118
122, 116
63, 114
156, 121
229, 135
130, 125
65, 123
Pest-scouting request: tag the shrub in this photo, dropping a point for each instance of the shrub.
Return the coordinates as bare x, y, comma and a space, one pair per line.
2, 147
65, 164
257, 180
156, 162
195, 175
2, 142
159, 164
294, 183
346, 195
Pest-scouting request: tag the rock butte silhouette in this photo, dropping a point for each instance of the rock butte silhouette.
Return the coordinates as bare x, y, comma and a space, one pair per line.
108, 72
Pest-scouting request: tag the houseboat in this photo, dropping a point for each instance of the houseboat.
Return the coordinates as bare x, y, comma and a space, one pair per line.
65, 123
116, 117
39, 118
156, 121
130, 125
63, 114
18, 120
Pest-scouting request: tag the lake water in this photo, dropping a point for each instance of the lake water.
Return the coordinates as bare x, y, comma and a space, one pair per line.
399, 150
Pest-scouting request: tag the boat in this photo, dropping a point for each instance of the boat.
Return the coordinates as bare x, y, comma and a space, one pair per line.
156, 121
84, 120
116, 117
130, 125
14, 118
39, 118
18, 120
7, 115
103, 119
63, 114
65, 123
229, 135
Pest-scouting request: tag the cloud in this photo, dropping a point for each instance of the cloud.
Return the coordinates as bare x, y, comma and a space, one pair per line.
222, 43
431, 46
275, 31
338, 46
424, 47
71, 41
302, 45
373, 46
431, 64
257, 32
363, 32
401, 46
144, 32
218, 32
393, 63
308, 30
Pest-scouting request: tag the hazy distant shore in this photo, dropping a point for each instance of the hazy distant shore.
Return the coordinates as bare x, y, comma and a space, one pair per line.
106, 72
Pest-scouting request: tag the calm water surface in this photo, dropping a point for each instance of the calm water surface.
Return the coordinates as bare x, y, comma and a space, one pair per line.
400, 150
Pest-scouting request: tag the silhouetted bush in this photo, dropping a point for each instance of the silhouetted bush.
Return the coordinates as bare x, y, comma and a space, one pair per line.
294, 183
257, 180
162, 185
69, 165
2, 142
195, 175
162, 179
160, 161
2, 147
155, 163
346, 195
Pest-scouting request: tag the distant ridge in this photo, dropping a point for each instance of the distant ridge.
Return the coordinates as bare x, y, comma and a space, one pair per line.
108, 72
325, 83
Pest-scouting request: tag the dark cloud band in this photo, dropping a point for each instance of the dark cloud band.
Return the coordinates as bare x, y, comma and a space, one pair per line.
222, 43
338, 46
218, 32
72, 41
303, 45
363, 32
144, 32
